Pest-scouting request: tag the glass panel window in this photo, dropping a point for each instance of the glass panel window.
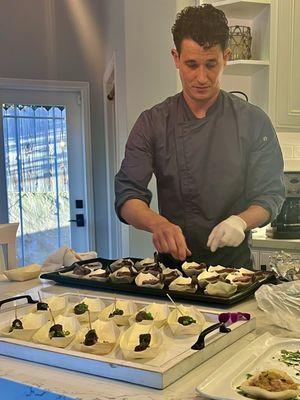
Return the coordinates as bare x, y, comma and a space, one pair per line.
36, 159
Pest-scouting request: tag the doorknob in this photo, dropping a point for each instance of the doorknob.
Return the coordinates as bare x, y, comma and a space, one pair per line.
79, 220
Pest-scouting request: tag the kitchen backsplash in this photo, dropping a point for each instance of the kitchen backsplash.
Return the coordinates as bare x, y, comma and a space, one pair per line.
290, 146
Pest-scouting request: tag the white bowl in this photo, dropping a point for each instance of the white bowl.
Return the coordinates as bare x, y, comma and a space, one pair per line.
23, 273
130, 339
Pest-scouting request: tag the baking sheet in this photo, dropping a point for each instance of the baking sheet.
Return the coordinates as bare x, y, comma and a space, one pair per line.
174, 361
259, 355
198, 297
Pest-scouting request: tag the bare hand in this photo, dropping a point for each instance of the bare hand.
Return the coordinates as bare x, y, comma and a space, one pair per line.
168, 238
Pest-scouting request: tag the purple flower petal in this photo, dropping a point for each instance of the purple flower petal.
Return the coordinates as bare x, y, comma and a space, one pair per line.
224, 317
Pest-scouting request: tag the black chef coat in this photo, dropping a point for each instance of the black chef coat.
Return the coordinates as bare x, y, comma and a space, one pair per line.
206, 169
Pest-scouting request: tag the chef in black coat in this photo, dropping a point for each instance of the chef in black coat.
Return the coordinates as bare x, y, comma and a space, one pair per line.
216, 157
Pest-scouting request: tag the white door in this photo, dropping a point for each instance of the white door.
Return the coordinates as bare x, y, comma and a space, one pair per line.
45, 164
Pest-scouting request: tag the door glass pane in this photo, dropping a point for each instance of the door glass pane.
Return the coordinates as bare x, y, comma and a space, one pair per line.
36, 160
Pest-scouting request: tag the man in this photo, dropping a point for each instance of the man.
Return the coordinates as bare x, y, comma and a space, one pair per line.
216, 158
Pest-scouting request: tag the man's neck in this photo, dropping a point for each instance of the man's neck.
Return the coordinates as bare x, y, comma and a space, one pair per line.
199, 109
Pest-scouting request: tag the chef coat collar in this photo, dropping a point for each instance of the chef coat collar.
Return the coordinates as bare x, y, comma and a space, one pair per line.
189, 115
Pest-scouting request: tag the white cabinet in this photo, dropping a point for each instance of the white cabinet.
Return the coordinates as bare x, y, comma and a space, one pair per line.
250, 76
285, 92
271, 79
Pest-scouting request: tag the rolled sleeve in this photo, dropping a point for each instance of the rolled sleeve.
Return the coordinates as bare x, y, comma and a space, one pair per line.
265, 184
131, 182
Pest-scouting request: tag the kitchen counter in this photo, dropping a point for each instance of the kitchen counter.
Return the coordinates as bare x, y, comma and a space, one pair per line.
52, 383
262, 241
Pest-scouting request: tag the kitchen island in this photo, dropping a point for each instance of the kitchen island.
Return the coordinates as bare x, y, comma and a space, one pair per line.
58, 383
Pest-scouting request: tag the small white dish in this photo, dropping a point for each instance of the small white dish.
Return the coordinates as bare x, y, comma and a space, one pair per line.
131, 338
21, 274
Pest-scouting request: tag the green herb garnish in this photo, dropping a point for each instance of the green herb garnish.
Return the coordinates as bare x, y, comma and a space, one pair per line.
186, 320
80, 308
291, 358
143, 315
117, 311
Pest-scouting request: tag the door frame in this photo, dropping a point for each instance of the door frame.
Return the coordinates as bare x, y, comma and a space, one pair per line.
121, 242
84, 89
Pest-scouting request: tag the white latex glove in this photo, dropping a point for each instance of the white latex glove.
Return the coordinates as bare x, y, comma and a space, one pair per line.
229, 232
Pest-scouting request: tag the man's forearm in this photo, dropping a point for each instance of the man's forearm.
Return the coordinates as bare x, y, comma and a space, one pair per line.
255, 216
137, 213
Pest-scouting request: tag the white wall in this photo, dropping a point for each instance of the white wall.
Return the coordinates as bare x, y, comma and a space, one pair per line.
139, 31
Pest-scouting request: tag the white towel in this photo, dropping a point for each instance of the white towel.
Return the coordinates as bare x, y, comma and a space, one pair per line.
64, 257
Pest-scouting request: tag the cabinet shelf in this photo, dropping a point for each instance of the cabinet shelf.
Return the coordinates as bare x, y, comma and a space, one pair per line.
245, 67
242, 9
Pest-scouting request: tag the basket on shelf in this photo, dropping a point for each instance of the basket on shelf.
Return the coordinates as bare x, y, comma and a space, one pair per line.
240, 42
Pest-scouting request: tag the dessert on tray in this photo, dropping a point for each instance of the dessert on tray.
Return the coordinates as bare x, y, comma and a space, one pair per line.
100, 339
141, 341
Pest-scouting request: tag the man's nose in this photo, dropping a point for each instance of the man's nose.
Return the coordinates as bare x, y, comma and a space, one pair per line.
201, 74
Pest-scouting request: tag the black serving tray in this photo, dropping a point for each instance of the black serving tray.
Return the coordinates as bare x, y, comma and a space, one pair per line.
198, 297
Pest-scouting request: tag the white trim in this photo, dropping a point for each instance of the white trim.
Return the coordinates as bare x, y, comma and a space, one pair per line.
69, 86
122, 239
107, 74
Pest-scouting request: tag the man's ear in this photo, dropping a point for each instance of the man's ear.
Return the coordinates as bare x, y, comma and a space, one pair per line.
175, 56
226, 55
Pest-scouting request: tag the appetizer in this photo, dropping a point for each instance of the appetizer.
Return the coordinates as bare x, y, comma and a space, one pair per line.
241, 281
100, 275
42, 306
207, 277
146, 262
121, 262
81, 270
221, 289
123, 275
56, 330
152, 313
23, 328
141, 341
170, 275
16, 324
222, 271
91, 338
184, 285
193, 268
99, 338
119, 311
59, 332
145, 279
186, 320
88, 304
271, 384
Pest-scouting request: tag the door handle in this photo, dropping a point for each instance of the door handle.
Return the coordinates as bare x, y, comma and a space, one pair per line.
79, 220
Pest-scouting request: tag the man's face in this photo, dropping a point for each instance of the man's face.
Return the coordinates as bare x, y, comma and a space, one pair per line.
200, 69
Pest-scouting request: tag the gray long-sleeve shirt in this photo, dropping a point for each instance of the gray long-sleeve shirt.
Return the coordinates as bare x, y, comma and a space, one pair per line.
206, 169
